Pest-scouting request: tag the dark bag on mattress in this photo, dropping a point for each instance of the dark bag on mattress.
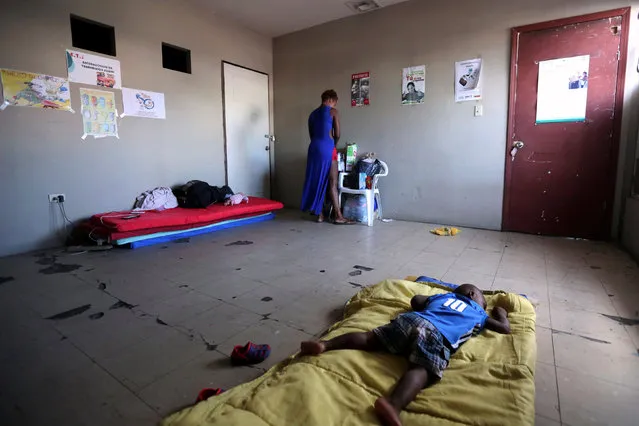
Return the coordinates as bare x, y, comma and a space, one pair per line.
197, 194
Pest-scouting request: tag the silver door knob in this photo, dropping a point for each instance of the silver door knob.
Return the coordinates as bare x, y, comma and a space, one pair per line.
271, 138
518, 144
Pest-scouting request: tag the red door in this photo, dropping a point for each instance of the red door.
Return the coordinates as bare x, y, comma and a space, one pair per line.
560, 179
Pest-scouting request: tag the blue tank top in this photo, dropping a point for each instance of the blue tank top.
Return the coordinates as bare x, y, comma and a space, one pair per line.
320, 123
456, 317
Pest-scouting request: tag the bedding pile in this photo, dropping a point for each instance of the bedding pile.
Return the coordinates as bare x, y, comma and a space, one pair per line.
490, 379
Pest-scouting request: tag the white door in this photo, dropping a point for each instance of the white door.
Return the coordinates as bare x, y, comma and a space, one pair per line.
246, 115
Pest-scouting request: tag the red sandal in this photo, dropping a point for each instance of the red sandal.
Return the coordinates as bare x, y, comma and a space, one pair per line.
206, 393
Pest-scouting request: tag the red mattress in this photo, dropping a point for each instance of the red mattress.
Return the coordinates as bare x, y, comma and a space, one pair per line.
178, 218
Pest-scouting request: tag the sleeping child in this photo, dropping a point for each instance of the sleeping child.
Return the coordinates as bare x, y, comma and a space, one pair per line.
427, 336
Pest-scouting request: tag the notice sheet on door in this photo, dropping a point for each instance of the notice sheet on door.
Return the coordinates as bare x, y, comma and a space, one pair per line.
562, 90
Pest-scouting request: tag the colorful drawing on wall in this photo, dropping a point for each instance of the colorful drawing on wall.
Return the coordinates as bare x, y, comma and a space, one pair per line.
562, 90
21, 88
98, 113
360, 89
468, 80
413, 85
92, 69
142, 103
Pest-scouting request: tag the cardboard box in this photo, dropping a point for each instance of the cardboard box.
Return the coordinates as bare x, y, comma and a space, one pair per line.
351, 156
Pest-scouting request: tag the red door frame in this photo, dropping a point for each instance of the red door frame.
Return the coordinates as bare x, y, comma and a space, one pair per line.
621, 79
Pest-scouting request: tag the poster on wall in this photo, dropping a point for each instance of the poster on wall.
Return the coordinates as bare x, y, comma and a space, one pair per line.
413, 85
143, 103
21, 88
360, 89
92, 69
562, 90
98, 113
467, 80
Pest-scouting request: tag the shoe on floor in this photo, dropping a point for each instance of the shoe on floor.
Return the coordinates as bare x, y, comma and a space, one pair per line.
250, 354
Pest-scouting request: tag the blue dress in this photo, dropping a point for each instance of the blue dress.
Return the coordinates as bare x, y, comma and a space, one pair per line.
320, 157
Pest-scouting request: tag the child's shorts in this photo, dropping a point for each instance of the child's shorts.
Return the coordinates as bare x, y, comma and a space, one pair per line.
413, 336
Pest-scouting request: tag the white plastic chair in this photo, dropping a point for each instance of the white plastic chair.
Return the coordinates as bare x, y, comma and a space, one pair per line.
371, 194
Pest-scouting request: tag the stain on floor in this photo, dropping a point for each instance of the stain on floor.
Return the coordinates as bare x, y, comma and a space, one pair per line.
6, 280
53, 266
70, 313
592, 339
363, 268
622, 320
266, 299
96, 316
121, 304
239, 243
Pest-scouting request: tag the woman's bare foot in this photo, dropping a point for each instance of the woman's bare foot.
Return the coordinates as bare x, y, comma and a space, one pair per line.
388, 414
320, 218
312, 348
343, 221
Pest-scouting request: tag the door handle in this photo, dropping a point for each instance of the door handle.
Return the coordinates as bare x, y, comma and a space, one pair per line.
271, 138
517, 145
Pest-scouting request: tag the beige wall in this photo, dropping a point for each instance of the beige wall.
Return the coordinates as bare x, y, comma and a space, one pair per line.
630, 236
41, 151
446, 166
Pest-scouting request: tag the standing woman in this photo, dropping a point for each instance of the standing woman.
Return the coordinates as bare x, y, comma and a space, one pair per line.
321, 165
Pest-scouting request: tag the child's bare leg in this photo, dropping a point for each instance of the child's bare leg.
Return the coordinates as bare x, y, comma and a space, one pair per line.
361, 341
411, 383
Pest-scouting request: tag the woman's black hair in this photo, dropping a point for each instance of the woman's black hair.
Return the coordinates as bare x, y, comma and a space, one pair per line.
329, 95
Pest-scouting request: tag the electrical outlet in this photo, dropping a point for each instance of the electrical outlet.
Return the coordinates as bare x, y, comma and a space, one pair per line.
479, 110
57, 198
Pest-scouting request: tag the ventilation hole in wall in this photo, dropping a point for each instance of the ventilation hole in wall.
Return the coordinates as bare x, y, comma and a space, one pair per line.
176, 58
91, 35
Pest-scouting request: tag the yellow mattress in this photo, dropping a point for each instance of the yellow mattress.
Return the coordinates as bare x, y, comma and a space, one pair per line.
490, 380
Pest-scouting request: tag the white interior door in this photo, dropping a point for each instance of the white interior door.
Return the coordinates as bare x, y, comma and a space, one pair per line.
246, 114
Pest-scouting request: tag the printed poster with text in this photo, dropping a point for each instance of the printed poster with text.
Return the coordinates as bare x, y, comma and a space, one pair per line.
21, 88
467, 80
562, 90
92, 69
98, 113
143, 103
413, 85
360, 89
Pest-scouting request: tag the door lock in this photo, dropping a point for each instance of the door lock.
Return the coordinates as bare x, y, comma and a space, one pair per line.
267, 148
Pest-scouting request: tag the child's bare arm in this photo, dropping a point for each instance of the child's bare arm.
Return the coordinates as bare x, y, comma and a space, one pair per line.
499, 322
418, 303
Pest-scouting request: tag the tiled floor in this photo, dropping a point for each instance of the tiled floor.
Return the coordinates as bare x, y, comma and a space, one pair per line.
186, 304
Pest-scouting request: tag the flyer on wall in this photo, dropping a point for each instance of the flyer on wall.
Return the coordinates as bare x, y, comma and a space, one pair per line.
360, 89
92, 69
98, 113
21, 88
413, 85
562, 89
143, 103
467, 80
